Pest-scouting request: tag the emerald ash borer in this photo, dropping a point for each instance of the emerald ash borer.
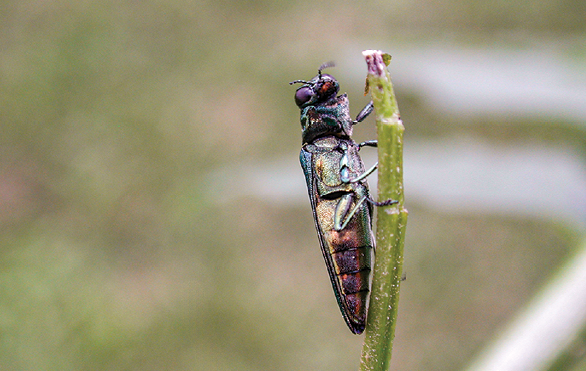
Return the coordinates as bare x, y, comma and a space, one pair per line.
338, 191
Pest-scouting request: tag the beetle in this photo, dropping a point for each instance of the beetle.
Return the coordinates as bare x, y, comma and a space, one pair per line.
340, 200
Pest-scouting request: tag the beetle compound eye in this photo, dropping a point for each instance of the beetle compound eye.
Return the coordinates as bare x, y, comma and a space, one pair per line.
303, 95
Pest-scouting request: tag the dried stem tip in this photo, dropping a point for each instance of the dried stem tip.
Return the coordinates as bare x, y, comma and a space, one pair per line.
376, 62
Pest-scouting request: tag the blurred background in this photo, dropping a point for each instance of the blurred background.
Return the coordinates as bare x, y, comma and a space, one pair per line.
154, 214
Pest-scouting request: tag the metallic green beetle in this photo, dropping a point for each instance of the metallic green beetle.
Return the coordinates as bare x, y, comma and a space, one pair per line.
342, 206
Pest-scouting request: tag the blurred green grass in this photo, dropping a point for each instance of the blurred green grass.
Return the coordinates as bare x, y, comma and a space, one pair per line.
112, 256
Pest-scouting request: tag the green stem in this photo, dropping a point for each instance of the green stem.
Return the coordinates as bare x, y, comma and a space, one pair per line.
391, 221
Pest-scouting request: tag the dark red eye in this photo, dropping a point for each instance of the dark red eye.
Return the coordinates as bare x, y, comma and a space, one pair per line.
303, 95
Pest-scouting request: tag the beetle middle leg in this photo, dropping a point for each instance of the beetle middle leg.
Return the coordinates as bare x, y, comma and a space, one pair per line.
345, 212
367, 197
369, 143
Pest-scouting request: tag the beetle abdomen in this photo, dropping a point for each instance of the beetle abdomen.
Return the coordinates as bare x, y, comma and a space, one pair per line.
348, 255
351, 254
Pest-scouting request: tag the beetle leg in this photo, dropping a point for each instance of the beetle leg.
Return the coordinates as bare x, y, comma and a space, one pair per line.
367, 198
363, 113
381, 203
343, 214
370, 143
365, 174
342, 217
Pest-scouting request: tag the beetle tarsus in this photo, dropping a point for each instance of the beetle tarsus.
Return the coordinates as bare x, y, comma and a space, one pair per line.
381, 203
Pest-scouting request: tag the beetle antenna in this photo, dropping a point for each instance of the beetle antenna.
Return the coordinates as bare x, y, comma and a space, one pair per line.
299, 82
324, 66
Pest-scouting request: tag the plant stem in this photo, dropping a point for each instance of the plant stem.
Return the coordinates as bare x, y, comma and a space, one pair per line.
391, 221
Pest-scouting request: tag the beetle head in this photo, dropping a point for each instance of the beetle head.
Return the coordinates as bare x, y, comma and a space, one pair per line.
321, 88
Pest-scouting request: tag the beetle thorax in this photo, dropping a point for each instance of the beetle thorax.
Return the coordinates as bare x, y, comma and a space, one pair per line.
328, 118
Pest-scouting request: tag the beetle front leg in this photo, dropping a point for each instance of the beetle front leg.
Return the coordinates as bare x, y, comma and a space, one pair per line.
364, 113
